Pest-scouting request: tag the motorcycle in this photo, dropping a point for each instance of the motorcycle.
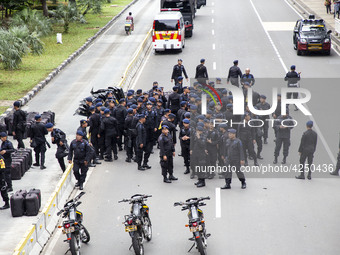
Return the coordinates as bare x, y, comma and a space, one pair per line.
138, 223
72, 226
196, 222
128, 27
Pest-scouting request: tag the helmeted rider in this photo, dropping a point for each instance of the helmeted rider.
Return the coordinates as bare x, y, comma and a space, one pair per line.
130, 18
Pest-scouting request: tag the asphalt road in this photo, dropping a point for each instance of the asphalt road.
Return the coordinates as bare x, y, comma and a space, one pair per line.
101, 65
272, 216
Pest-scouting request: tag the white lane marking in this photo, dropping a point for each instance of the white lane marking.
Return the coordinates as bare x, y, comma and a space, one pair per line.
213, 32
269, 37
214, 46
212, 21
212, 11
212, 3
83, 53
299, 14
218, 203
214, 65
323, 140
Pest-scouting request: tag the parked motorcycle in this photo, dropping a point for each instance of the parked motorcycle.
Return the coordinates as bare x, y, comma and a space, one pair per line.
72, 226
196, 222
138, 223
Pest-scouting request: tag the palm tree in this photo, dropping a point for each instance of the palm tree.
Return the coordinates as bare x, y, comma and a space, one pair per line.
66, 14
34, 21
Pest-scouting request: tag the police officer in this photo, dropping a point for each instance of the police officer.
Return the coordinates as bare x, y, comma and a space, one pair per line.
19, 124
177, 71
199, 155
247, 135
234, 157
94, 123
181, 112
201, 72
293, 79
179, 84
6, 150
109, 125
283, 125
38, 132
150, 125
58, 137
263, 105
248, 77
130, 126
184, 137
120, 116
3, 188
141, 144
307, 149
166, 154
174, 101
234, 73
82, 128
212, 141
80, 152
88, 104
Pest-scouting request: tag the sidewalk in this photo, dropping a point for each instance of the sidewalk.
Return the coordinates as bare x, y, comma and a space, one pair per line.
317, 8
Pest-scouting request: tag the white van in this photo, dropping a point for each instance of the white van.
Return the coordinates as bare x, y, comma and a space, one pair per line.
168, 31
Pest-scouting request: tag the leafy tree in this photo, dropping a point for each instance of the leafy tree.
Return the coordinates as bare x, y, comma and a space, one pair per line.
67, 14
34, 21
16, 43
90, 5
45, 8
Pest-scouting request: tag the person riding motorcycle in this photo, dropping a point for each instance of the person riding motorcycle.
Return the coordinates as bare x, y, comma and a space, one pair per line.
131, 19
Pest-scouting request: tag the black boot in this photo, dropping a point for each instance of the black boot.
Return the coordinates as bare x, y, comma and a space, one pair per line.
227, 186
243, 185
141, 168
335, 172
173, 178
265, 141
255, 162
146, 166
201, 184
6, 206
275, 160
284, 160
115, 156
309, 175
128, 160
187, 171
259, 156
166, 180
81, 186
301, 176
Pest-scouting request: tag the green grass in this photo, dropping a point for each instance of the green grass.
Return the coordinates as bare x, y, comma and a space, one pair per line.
15, 84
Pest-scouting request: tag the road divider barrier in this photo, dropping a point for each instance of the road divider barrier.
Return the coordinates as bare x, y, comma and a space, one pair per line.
38, 234
136, 62
337, 27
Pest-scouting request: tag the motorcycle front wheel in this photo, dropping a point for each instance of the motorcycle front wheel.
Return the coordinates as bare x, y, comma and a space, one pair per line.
147, 229
137, 244
201, 246
85, 235
75, 244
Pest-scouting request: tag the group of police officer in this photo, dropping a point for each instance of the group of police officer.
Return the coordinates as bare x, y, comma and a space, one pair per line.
145, 119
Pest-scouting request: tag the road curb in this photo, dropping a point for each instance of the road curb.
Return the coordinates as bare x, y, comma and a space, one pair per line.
304, 10
25, 99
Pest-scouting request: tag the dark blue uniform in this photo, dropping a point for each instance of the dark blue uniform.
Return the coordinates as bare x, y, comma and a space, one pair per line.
80, 151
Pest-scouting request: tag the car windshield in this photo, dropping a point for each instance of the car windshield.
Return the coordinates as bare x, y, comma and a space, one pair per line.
166, 25
313, 28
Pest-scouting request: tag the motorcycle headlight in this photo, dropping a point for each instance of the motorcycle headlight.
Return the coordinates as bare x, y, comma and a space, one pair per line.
303, 40
326, 40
